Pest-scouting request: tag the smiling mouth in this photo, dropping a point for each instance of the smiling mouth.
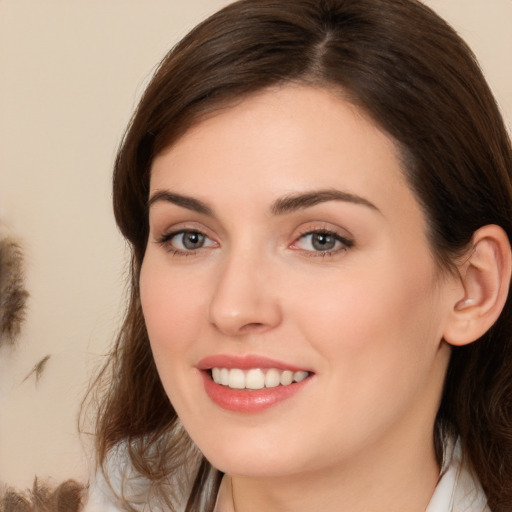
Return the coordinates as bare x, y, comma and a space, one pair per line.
256, 378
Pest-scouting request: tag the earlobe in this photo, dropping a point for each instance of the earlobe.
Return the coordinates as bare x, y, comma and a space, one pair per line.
485, 277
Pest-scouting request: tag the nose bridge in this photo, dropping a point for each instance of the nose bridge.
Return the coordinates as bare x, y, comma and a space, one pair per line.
243, 299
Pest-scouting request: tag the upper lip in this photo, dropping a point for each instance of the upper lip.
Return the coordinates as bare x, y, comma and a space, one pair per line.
245, 363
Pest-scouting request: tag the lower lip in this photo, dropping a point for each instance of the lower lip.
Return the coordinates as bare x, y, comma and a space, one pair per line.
249, 400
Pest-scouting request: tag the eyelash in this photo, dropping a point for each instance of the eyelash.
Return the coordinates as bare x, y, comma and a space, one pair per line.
346, 243
166, 238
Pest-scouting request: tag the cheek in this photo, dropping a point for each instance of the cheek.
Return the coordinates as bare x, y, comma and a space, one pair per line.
378, 337
171, 304
377, 318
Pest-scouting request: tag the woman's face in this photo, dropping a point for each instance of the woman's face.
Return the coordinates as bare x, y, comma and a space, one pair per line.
287, 254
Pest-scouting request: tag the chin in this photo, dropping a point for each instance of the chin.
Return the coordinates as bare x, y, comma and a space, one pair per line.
254, 456
251, 467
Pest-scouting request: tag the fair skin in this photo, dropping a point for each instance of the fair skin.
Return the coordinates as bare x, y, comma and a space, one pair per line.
341, 285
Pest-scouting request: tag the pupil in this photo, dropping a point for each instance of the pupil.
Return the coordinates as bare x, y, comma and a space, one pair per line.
323, 242
193, 240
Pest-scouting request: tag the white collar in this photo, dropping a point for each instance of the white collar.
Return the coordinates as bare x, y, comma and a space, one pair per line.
458, 489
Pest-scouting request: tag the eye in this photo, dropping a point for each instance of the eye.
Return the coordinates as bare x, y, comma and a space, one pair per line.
186, 241
324, 242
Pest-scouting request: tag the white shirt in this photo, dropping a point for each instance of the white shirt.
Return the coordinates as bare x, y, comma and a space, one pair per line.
458, 490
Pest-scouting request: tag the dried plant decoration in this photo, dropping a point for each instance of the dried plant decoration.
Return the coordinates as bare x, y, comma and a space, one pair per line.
13, 295
37, 370
67, 497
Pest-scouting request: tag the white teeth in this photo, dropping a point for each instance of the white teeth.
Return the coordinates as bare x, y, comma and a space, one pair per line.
299, 376
286, 378
255, 378
272, 378
224, 377
236, 379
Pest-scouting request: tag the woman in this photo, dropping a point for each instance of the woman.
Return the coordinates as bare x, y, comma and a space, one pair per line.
318, 199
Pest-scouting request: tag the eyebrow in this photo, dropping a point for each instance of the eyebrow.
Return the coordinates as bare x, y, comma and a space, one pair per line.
281, 206
301, 201
187, 202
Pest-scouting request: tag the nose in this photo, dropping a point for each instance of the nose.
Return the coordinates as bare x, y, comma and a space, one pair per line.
244, 300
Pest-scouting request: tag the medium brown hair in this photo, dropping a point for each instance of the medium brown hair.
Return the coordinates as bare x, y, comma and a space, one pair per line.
407, 69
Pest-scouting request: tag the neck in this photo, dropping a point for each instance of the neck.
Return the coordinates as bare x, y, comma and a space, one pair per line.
394, 480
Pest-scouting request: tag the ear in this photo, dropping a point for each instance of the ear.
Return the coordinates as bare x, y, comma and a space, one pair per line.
485, 275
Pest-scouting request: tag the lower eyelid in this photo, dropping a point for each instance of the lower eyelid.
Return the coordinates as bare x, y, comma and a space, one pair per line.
325, 254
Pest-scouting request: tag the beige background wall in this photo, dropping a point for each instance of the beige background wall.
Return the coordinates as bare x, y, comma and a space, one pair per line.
70, 74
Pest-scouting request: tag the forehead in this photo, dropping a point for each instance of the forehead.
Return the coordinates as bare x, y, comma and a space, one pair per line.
286, 139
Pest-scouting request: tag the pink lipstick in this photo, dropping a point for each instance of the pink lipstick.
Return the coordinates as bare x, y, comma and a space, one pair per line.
252, 383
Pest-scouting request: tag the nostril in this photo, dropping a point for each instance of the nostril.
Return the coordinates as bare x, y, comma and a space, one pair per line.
241, 328
253, 326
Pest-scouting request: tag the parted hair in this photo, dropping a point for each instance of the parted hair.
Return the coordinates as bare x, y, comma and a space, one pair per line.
415, 77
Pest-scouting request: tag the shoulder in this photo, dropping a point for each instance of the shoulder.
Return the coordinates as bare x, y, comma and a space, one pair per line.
119, 487
116, 482
100, 497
